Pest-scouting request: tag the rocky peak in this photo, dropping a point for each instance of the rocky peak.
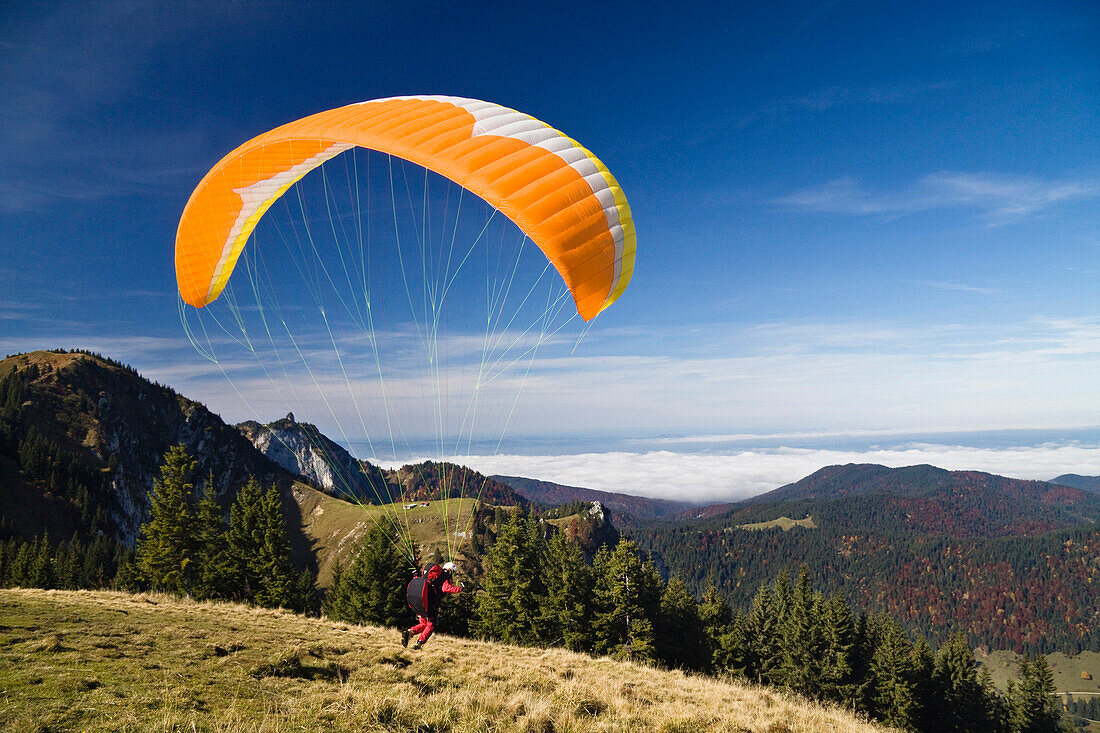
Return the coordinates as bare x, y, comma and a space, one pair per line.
303, 450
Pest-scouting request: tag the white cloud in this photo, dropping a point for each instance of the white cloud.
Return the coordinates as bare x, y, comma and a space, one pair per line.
958, 287
797, 377
705, 477
997, 198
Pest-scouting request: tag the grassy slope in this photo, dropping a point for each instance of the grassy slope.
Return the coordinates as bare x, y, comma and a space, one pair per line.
1067, 669
1067, 672
96, 661
335, 526
784, 523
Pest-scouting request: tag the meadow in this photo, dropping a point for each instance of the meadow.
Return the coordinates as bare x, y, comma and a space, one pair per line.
334, 526
103, 660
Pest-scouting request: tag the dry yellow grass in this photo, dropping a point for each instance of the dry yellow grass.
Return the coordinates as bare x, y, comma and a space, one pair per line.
98, 661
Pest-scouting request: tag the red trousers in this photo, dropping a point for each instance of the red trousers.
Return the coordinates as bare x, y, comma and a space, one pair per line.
424, 628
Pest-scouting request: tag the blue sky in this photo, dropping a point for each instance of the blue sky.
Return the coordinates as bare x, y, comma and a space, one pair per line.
854, 219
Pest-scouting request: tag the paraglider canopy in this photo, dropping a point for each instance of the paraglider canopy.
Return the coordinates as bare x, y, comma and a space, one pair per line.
556, 191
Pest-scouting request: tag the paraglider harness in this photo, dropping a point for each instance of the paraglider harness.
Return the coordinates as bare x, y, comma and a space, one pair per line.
425, 591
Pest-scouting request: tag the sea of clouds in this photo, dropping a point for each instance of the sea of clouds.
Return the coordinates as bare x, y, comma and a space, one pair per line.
732, 475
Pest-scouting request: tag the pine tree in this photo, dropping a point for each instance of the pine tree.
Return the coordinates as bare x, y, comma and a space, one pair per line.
243, 541
126, 577
716, 619
800, 640
70, 564
894, 695
510, 608
781, 594
304, 598
165, 551
924, 664
214, 576
863, 652
271, 560
42, 573
762, 632
966, 704
35, 455
568, 583
715, 613
99, 565
680, 640
493, 612
372, 589
21, 576
837, 682
732, 649
626, 600
1032, 705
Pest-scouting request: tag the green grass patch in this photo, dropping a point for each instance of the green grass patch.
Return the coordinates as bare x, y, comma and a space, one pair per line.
1072, 672
784, 523
335, 526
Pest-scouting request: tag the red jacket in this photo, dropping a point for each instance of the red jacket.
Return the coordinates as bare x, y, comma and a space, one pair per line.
425, 593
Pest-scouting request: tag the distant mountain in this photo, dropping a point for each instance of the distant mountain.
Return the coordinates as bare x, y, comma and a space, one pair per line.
82, 439
1085, 483
303, 450
1011, 562
856, 479
930, 500
436, 480
625, 507
589, 525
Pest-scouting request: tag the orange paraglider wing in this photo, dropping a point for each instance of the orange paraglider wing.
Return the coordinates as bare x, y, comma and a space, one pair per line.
556, 192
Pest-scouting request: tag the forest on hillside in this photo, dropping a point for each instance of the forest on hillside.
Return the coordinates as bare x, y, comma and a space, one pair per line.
1029, 593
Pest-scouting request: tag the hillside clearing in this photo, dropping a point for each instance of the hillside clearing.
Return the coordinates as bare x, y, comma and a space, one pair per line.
1069, 670
97, 661
784, 523
335, 526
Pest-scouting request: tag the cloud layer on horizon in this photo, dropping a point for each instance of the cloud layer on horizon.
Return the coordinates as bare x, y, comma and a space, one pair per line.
720, 477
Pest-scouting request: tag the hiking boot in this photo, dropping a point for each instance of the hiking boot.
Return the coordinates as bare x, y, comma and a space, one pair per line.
405, 637
417, 645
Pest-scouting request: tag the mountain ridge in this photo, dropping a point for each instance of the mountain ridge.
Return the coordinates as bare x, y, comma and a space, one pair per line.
99, 430
82, 438
1077, 481
301, 448
627, 508
931, 500
1011, 562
